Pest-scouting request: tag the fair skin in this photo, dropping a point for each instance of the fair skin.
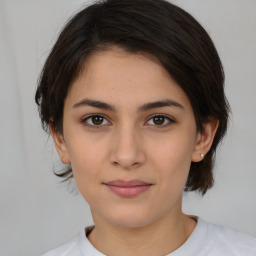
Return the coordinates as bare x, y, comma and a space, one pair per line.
126, 142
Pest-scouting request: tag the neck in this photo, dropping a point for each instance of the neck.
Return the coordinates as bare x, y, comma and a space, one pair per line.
160, 237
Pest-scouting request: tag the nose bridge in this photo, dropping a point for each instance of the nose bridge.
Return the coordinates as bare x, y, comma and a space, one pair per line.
127, 146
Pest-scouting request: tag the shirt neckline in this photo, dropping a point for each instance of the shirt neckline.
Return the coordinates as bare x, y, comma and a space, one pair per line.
194, 245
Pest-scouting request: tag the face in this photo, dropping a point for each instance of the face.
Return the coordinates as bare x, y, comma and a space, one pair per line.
130, 135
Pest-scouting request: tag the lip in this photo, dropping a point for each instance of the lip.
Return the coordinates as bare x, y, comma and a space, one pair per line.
130, 188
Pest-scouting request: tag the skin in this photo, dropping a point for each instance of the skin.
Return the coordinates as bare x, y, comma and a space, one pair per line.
130, 144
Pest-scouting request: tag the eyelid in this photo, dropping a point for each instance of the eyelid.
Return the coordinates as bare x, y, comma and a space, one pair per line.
170, 119
84, 119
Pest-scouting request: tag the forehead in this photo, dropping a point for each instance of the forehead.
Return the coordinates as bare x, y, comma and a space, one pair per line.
118, 76
117, 64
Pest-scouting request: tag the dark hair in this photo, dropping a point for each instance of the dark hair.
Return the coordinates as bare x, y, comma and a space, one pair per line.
159, 28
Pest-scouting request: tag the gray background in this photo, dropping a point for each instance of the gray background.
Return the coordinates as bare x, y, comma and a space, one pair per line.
38, 213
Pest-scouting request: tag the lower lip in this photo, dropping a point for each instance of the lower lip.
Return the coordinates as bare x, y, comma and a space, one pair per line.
128, 191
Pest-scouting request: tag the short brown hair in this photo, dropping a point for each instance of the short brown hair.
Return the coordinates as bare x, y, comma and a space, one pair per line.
159, 28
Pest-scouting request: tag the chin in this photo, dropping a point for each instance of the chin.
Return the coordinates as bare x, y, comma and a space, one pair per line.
130, 219
131, 223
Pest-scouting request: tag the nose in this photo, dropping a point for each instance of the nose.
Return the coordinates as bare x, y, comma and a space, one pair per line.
127, 149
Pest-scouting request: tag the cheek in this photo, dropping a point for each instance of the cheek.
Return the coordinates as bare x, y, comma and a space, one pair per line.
86, 161
174, 150
84, 150
173, 157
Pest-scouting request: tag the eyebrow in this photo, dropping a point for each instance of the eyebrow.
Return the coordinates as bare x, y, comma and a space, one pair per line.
143, 108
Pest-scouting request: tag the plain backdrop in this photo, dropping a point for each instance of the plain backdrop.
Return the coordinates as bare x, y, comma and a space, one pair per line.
37, 213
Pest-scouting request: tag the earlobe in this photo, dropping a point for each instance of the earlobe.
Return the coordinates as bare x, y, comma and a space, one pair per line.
60, 145
204, 140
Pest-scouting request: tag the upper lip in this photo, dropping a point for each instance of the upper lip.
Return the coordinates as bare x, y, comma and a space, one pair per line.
128, 183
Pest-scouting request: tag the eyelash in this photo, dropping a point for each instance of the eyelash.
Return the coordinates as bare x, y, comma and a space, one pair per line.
85, 121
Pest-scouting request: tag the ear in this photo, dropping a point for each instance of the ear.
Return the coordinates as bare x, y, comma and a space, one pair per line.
204, 140
60, 145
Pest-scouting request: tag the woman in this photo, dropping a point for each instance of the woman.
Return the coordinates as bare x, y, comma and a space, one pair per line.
132, 94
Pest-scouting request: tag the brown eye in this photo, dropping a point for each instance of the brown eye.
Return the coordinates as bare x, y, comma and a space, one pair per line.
95, 121
160, 120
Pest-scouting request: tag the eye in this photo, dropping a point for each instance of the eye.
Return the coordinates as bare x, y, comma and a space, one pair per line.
160, 120
95, 121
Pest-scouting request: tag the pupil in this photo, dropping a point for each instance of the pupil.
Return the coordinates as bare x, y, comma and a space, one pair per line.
97, 120
159, 120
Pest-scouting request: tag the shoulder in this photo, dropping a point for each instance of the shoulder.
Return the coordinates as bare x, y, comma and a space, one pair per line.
228, 241
78, 246
68, 249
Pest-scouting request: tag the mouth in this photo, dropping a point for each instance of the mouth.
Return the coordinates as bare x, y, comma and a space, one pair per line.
129, 188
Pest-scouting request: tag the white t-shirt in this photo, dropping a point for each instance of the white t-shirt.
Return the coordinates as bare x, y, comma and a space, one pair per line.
206, 240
